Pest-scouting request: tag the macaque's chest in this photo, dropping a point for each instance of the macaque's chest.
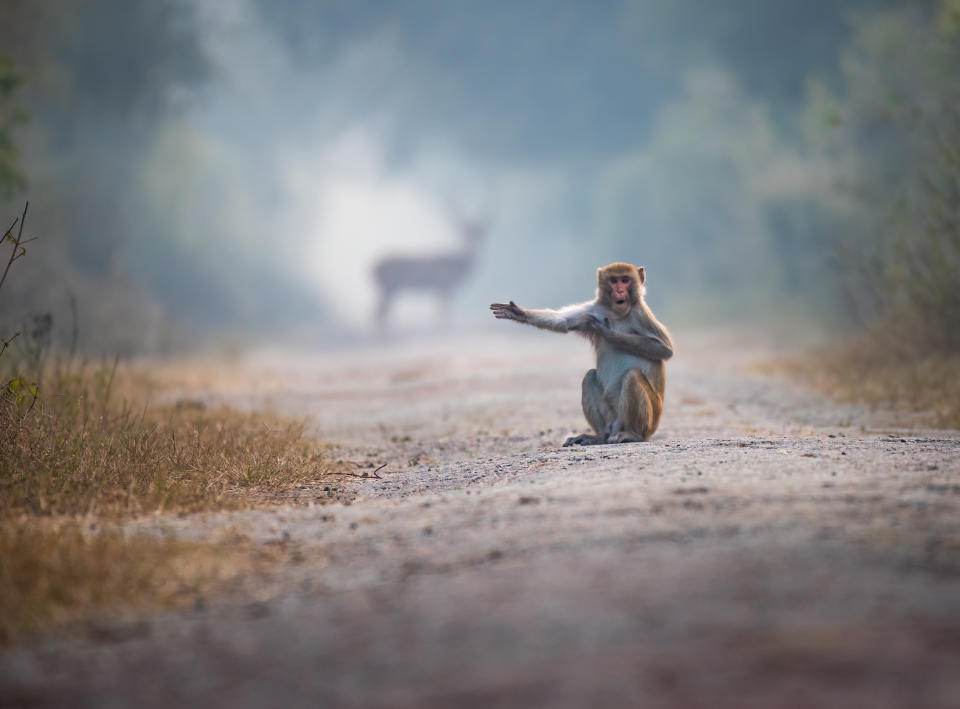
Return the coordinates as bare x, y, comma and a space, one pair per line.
613, 363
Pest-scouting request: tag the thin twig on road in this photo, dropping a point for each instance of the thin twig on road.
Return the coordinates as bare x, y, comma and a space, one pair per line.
368, 476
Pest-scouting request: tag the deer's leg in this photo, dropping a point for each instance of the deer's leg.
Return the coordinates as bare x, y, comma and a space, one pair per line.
383, 307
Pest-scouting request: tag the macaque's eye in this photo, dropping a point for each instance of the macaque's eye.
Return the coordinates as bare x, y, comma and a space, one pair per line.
625, 279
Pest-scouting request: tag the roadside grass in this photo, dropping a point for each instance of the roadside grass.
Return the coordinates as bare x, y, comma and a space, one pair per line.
81, 457
873, 367
83, 449
56, 573
80, 447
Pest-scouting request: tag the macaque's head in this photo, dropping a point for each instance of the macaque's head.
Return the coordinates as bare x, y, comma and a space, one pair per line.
620, 286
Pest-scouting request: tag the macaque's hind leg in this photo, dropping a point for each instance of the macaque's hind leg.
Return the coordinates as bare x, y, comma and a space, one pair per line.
639, 410
595, 408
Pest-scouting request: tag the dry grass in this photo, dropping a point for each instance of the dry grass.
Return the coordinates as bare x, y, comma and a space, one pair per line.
82, 454
876, 368
79, 452
51, 574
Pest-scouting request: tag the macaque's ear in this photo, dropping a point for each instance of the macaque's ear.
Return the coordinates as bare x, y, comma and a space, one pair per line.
642, 273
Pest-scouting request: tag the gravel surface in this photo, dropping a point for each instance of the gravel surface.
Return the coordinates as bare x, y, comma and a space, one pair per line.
767, 548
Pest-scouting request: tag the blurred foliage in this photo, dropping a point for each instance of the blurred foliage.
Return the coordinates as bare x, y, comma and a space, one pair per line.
720, 198
102, 75
949, 19
98, 77
108, 84
11, 175
548, 79
891, 129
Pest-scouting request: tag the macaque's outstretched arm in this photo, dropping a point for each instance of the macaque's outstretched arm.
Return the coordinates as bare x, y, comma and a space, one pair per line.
572, 317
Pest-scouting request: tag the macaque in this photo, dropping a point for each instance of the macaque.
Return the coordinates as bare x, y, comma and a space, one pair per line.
623, 397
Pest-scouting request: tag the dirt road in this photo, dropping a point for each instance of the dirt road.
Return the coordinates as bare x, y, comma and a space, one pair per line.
768, 548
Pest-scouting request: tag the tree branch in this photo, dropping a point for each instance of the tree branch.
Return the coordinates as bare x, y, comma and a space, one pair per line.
16, 242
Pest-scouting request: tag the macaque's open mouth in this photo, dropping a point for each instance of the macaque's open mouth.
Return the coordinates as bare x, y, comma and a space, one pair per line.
621, 301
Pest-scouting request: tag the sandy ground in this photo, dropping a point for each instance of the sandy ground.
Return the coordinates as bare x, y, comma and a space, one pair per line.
768, 548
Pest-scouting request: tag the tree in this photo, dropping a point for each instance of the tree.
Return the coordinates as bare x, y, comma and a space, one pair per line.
11, 175
892, 133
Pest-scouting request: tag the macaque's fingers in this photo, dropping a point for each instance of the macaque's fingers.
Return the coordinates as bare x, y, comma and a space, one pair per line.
507, 311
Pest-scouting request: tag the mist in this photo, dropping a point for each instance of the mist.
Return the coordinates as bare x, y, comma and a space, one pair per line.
242, 172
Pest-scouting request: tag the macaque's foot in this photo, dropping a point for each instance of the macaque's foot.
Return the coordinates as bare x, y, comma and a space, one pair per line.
624, 437
585, 439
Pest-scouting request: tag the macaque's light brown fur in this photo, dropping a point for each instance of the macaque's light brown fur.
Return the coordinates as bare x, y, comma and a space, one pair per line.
623, 397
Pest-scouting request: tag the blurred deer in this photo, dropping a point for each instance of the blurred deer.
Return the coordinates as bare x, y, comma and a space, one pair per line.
440, 274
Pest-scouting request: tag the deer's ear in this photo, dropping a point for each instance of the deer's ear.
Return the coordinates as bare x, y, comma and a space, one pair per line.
641, 272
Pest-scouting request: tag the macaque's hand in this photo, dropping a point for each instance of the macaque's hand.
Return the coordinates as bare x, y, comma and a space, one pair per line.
508, 311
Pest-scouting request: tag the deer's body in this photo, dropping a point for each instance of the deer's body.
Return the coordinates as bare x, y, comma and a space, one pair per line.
436, 274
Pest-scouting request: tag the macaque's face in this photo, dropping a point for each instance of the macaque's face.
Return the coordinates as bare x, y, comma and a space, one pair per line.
620, 293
